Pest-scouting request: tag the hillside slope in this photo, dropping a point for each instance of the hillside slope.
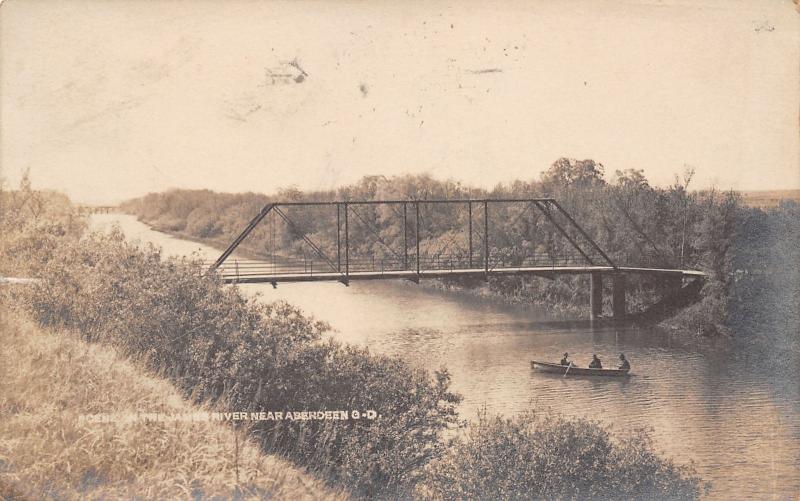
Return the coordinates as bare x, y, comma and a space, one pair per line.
50, 382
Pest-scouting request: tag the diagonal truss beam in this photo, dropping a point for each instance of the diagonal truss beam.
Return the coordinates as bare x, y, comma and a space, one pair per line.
585, 235
546, 211
374, 232
521, 213
306, 239
250, 227
446, 246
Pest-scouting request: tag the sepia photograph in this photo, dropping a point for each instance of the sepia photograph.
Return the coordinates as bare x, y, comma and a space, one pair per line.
400, 250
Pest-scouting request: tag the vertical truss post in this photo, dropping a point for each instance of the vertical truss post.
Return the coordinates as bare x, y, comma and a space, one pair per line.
338, 239
486, 238
618, 295
405, 236
346, 245
596, 295
469, 207
416, 207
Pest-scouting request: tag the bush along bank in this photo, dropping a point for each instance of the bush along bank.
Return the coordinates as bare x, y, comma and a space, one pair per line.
237, 354
243, 355
545, 456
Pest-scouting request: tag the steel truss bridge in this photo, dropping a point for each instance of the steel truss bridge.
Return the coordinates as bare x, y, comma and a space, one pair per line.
476, 256
97, 209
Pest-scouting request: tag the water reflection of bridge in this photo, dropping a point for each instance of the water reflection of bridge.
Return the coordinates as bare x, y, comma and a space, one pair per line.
402, 257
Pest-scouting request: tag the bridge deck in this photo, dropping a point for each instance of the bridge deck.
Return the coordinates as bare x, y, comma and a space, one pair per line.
546, 271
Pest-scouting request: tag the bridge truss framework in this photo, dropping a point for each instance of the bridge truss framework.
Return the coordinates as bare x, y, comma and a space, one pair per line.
410, 264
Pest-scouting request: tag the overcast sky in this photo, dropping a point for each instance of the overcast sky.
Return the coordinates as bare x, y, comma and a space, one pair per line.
107, 100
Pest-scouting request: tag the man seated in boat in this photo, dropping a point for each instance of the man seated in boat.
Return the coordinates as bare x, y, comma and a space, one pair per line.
565, 360
624, 365
595, 363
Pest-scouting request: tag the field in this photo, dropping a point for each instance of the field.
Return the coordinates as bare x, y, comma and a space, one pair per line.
769, 198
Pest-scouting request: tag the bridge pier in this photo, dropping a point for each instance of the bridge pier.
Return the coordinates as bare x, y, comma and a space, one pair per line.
618, 295
596, 297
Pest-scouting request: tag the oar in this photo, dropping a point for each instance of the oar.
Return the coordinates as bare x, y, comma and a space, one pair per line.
567, 371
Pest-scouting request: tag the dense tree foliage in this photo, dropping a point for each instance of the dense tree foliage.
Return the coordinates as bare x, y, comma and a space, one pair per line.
635, 223
764, 292
33, 224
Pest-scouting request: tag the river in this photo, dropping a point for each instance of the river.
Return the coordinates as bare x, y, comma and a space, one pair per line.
735, 416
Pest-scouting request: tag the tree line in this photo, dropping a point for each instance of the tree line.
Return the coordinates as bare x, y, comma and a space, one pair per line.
635, 223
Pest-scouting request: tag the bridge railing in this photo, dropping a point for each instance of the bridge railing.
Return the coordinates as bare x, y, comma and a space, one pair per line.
234, 268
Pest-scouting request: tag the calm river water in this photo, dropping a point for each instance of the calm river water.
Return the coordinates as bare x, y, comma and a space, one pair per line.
735, 416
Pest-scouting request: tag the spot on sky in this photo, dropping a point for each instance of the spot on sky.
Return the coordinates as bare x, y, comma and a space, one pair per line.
486, 70
763, 26
364, 89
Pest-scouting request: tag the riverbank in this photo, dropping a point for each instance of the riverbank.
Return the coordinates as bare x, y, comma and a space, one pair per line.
565, 311
492, 292
52, 449
237, 352
487, 346
753, 311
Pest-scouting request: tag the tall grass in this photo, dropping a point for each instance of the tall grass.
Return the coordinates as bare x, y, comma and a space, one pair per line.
244, 355
49, 380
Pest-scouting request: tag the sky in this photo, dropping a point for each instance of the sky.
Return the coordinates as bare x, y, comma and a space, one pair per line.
107, 100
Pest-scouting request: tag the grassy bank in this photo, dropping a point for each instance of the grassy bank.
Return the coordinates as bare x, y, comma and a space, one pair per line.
241, 355
237, 354
49, 380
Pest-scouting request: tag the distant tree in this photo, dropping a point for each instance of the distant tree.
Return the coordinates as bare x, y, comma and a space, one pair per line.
631, 178
687, 178
570, 172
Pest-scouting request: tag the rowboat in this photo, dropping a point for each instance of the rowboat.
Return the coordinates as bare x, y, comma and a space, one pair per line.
576, 371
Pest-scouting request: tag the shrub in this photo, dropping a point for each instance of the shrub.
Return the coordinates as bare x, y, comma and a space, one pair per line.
244, 355
536, 456
33, 224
